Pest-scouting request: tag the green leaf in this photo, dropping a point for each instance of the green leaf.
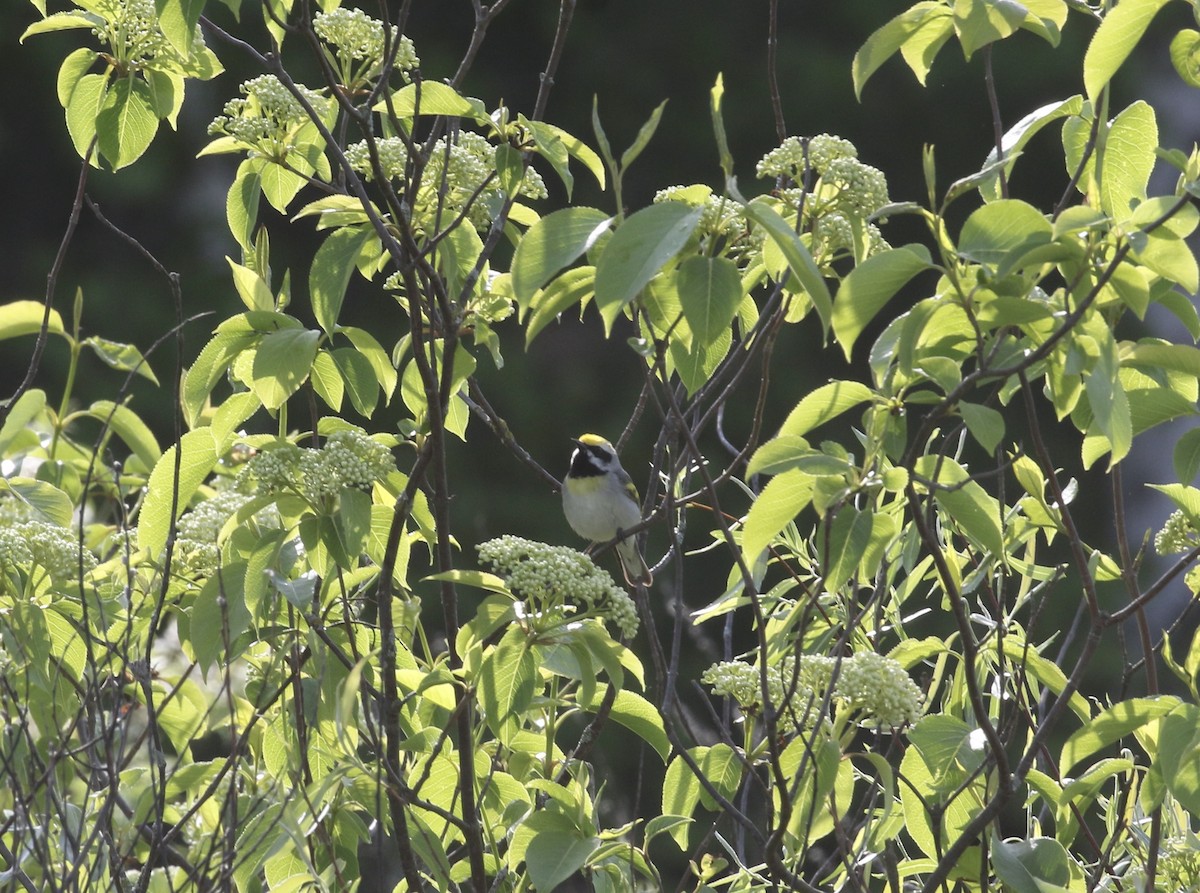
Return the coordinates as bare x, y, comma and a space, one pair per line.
1185, 56
178, 20
73, 68
636, 714
571, 288
254, 292
1111, 725
1128, 158
130, 428
978, 24
718, 120
327, 381
1179, 755
644, 135
331, 269
20, 415
282, 363
1039, 865
507, 680
219, 611
61, 21
885, 41
800, 261
124, 357
784, 497
359, 375
86, 101
210, 365
1122, 28
127, 122
19, 318
1001, 230
553, 856
1109, 403
279, 184
372, 351
849, 536
869, 286
985, 424
710, 289
241, 204
552, 243
550, 146
965, 503
823, 404
1187, 456
637, 251
432, 98
1017, 136
197, 456
42, 498
579, 150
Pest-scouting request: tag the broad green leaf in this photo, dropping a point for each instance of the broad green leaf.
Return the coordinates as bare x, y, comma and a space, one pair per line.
1128, 158
552, 243
86, 101
1122, 28
549, 144
359, 375
784, 497
1002, 229
777, 455
197, 456
553, 856
74, 67
282, 363
1179, 755
637, 251
43, 499
126, 122
985, 424
950, 749
25, 318
327, 381
372, 351
1185, 56
710, 289
507, 679
210, 366
695, 362
178, 20
20, 416
923, 45
241, 204
579, 150
278, 184
636, 714
124, 357
219, 611
255, 293
61, 21
825, 403
331, 270
887, 40
1109, 403
130, 428
1186, 499
965, 502
978, 24
1187, 456
849, 536
1111, 725
432, 98
800, 260
869, 286
1039, 865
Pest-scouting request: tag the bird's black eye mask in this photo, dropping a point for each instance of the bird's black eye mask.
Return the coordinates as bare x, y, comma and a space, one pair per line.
588, 461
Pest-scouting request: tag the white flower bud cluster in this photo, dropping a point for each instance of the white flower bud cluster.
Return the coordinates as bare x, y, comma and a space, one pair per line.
358, 36
1177, 535
877, 687
861, 190
452, 178
55, 549
267, 115
788, 159
722, 219
1179, 864
197, 531
348, 459
548, 577
131, 28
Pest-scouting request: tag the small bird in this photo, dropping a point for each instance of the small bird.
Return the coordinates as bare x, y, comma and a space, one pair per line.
601, 502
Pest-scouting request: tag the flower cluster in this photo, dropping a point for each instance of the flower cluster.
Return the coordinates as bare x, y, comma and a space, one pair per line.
40, 544
1178, 534
876, 687
355, 35
722, 221
1179, 864
131, 28
549, 578
268, 115
198, 529
460, 176
348, 459
794, 155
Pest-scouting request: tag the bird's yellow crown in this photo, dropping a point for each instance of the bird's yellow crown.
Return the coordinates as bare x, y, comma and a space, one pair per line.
592, 440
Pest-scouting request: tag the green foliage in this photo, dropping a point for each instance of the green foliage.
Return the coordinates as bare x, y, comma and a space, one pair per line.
249, 655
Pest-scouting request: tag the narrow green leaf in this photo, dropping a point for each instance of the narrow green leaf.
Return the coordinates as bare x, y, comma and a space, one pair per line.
1017, 136
124, 357
552, 243
637, 251
800, 260
62, 21
784, 497
644, 135
1122, 28
718, 119
849, 536
887, 40
372, 351
327, 381
255, 293
130, 428
636, 714
1111, 725
965, 503
359, 375
331, 270
710, 289
42, 498
241, 205
198, 455
869, 286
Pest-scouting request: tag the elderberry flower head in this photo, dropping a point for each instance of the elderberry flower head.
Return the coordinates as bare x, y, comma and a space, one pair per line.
789, 158
348, 459
198, 530
40, 544
267, 115
721, 220
1178, 534
356, 35
549, 578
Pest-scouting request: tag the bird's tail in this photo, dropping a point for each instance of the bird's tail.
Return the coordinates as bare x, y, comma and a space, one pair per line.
633, 564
